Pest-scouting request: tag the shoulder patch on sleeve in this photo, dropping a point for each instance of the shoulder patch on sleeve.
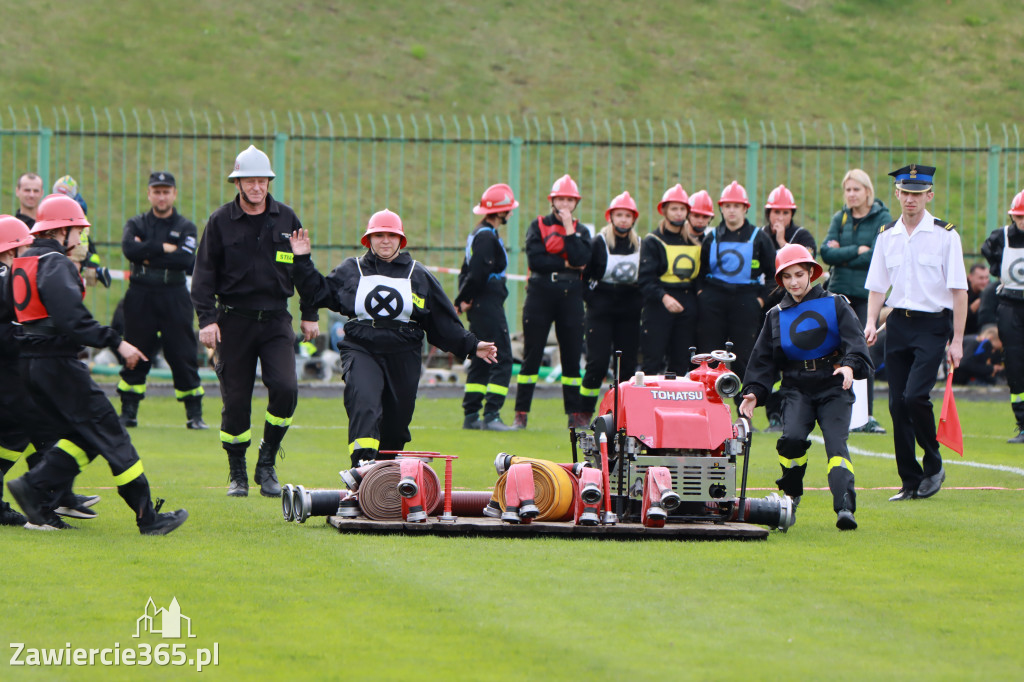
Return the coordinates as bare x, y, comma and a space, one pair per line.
886, 227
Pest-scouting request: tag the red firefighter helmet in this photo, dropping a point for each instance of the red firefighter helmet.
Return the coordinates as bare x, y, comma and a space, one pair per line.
384, 221
13, 233
735, 193
700, 203
624, 202
781, 198
792, 254
676, 194
496, 199
56, 211
565, 186
1017, 207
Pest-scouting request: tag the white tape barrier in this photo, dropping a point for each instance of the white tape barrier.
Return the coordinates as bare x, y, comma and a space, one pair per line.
945, 460
125, 274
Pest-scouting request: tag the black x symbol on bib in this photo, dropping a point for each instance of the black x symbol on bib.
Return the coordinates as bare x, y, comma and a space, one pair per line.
383, 303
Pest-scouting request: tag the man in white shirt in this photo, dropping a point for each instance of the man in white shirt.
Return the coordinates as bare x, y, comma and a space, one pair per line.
919, 258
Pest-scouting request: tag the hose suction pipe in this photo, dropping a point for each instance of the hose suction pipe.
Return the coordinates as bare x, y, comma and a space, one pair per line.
772, 511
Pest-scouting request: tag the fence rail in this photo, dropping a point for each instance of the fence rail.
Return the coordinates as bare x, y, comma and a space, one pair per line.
336, 169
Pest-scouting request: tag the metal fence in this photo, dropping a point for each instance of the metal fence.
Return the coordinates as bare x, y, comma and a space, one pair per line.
336, 169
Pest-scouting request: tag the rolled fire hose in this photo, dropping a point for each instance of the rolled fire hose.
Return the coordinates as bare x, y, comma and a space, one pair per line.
378, 491
555, 489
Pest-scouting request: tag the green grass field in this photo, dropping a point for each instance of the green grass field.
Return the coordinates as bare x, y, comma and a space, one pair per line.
923, 590
910, 64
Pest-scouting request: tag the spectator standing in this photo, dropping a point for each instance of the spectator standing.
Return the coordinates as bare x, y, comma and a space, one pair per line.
613, 300
736, 260
557, 251
920, 258
1004, 250
161, 247
669, 267
240, 289
977, 279
482, 293
781, 227
393, 303
28, 191
848, 248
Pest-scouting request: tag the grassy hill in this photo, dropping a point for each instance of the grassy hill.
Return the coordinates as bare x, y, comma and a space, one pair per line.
916, 61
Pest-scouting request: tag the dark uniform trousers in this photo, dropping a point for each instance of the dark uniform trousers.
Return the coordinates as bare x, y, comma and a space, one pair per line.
380, 396
245, 340
486, 384
914, 348
728, 316
561, 303
802, 405
155, 316
612, 323
669, 335
1011, 333
87, 427
23, 426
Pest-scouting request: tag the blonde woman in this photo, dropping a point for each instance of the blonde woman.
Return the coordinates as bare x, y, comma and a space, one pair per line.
848, 248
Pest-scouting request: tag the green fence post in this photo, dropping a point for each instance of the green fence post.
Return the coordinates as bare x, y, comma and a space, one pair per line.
280, 163
43, 165
992, 215
515, 160
751, 181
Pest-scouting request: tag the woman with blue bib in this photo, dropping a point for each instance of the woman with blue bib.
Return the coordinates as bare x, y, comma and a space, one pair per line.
815, 341
735, 265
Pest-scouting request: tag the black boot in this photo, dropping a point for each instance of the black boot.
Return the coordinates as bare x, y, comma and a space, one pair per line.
265, 474
194, 412
130, 409
239, 486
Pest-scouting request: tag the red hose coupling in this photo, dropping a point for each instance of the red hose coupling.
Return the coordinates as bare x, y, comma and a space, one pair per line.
410, 487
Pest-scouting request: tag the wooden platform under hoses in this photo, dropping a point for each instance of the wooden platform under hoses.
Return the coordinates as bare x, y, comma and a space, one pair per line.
483, 526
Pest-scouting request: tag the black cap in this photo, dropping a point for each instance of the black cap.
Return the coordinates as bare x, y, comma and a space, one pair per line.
914, 178
161, 178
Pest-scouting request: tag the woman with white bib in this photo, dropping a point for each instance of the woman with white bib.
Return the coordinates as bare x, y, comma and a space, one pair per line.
613, 299
393, 302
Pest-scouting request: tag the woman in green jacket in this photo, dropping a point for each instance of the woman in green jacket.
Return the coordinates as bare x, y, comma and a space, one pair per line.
847, 249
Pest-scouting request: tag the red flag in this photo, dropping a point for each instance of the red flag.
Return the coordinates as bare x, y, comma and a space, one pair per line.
949, 432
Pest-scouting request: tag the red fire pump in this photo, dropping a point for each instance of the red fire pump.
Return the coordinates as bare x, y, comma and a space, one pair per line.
671, 450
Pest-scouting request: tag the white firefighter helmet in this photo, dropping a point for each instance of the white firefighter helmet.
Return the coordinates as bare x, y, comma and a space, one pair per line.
251, 163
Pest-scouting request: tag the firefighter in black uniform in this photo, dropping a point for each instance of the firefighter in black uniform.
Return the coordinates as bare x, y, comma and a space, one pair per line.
815, 341
482, 294
669, 265
780, 225
393, 303
240, 289
161, 246
24, 428
919, 260
15, 408
557, 251
1004, 251
613, 299
47, 293
736, 265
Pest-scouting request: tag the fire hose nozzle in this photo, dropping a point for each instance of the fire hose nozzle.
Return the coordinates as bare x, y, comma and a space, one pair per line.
502, 462
528, 510
407, 487
286, 501
670, 500
657, 510
591, 494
